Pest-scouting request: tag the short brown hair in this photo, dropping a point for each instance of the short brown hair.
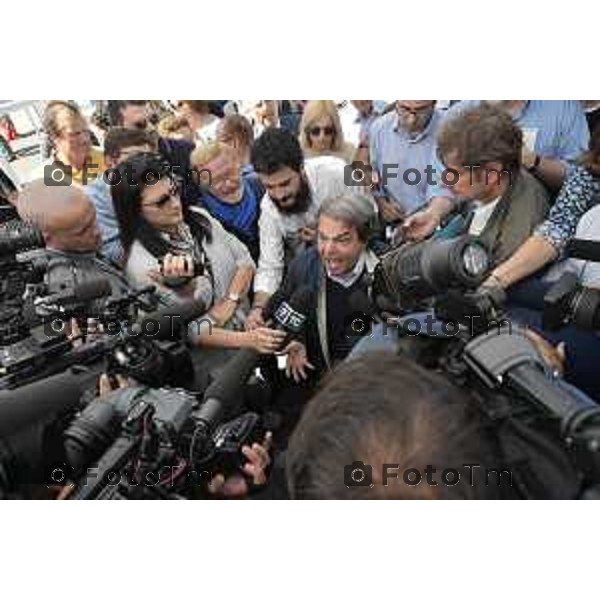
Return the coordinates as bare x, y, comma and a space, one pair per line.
383, 408
481, 135
119, 138
238, 126
201, 107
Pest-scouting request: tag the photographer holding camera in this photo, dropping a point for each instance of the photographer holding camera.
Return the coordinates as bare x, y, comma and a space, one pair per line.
67, 219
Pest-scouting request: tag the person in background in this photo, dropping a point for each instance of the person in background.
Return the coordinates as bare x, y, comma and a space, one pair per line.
231, 198
69, 144
321, 132
236, 132
119, 145
203, 123
188, 255
175, 128
402, 141
295, 188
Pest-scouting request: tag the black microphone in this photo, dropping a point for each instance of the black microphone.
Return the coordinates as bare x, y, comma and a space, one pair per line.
82, 292
25, 406
169, 323
223, 396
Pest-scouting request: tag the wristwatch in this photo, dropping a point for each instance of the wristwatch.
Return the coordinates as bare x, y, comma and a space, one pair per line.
233, 298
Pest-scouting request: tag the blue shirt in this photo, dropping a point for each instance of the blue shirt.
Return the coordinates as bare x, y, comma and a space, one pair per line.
106, 219
559, 126
391, 145
241, 219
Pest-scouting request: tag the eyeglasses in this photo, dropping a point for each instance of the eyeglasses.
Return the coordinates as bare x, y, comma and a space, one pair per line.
415, 112
316, 131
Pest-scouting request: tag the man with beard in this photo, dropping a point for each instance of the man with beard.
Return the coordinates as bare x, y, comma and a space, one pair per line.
295, 189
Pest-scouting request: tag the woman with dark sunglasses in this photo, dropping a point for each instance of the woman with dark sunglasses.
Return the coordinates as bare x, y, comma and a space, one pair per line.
188, 255
321, 131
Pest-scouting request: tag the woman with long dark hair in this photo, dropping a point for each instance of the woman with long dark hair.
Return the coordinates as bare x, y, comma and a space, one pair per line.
187, 254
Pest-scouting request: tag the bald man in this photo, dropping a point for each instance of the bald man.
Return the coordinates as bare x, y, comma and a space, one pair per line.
67, 219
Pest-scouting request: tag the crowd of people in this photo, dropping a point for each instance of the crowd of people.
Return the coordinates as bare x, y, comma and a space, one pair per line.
257, 198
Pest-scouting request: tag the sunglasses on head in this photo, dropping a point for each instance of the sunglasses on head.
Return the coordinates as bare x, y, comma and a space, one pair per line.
316, 131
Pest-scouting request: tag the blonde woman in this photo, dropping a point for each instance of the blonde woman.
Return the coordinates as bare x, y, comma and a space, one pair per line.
321, 131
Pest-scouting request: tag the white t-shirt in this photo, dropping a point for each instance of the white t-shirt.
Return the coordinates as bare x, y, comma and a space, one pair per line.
325, 175
481, 215
208, 133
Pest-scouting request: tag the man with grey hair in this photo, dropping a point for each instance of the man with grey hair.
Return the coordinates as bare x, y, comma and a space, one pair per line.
339, 271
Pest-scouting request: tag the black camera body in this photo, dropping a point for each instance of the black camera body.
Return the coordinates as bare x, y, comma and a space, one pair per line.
153, 443
568, 301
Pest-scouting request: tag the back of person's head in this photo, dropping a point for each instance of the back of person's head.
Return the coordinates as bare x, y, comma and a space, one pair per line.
383, 409
119, 138
205, 153
236, 129
65, 215
276, 149
171, 126
481, 135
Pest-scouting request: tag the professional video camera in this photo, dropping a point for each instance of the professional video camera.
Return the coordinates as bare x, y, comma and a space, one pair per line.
16, 274
155, 443
153, 350
567, 300
474, 343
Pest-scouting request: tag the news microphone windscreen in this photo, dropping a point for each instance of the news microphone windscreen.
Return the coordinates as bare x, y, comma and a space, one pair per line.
228, 387
168, 322
92, 289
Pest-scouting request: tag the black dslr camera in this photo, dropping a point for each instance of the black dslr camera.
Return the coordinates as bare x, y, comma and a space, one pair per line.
568, 301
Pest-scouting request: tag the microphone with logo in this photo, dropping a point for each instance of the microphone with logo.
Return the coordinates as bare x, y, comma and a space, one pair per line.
224, 395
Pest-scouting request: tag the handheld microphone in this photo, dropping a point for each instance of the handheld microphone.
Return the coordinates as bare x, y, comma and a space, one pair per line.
223, 395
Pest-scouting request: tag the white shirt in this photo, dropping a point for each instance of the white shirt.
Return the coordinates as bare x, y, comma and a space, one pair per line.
325, 175
208, 132
481, 215
350, 278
